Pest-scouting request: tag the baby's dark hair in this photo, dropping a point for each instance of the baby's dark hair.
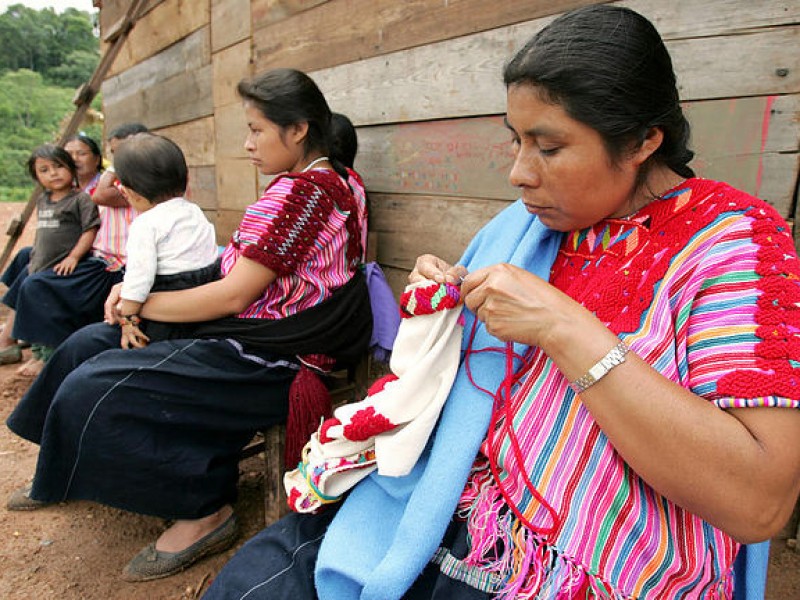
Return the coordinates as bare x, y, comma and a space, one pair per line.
287, 97
608, 68
126, 130
152, 166
55, 153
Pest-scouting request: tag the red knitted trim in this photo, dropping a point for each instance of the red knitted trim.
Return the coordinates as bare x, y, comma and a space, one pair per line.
365, 424
429, 299
777, 314
292, 234
379, 384
620, 287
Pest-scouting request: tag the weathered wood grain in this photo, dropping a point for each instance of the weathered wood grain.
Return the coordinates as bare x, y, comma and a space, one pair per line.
462, 77
748, 142
168, 22
410, 225
265, 12
203, 188
196, 139
231, 130
185, 97
230, 66
189, 54
231, 22
237, 186
334, 33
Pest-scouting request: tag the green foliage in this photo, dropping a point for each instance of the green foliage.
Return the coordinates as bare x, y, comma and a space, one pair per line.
44, 56
44, 41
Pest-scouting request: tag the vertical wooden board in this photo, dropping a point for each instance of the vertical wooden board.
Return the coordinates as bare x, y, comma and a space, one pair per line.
771, 177
231, 65
225, 224
463, 157
409, 226
396, 278
236, 184
229, 22
203, 188
167, 23
265, 12
188, 54
230, 131
340, 32
182, 98
196, 139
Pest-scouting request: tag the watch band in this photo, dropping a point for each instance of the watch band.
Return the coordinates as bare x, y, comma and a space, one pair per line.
615, 356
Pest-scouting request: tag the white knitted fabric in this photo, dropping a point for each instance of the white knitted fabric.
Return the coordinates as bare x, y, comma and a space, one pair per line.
389, 429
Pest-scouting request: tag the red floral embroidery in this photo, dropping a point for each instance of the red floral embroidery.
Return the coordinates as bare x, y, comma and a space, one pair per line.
323, 429
365, 424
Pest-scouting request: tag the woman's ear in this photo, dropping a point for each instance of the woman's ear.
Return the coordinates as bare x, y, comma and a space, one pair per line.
652, 142
298, 132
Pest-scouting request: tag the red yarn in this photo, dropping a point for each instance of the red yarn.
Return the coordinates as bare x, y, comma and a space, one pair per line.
309, 402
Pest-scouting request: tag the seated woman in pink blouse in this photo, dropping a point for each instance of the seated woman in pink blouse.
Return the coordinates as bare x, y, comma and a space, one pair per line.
158, 430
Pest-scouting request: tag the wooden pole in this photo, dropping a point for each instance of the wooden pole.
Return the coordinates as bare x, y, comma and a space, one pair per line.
82, 100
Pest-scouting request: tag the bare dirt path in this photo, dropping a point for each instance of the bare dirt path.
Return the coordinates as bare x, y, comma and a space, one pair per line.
75, 551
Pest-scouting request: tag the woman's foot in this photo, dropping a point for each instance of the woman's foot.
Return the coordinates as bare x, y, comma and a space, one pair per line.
183, 544
32, 368
21, 500
10, 354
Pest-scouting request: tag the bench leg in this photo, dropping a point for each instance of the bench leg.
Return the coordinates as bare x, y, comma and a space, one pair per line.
275, 505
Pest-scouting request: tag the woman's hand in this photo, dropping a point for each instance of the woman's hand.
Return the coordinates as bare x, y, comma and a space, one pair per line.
66, 266
432, 267
516, 305
111, 314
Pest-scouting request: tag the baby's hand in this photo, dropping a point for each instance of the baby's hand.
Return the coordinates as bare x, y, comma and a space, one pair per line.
132, 336
66, 266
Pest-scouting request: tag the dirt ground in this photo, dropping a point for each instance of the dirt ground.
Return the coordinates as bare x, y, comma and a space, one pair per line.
75, 551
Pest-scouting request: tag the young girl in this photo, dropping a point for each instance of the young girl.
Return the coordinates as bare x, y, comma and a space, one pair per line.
171, 244
66, 227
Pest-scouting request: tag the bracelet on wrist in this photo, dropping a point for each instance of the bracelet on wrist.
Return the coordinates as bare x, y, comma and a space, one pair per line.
614, 358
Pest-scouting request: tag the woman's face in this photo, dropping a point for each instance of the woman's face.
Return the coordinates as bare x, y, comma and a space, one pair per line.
565, 173
272, 149
86, 162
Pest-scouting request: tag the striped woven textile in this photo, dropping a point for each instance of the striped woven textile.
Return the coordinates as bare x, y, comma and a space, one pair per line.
700, 285
304, 236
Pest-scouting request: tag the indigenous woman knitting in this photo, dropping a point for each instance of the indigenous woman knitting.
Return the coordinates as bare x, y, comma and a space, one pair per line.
623, 417
158, 430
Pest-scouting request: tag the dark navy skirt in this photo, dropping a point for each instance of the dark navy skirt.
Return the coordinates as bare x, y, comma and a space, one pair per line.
50, 307
16, 268
156, 430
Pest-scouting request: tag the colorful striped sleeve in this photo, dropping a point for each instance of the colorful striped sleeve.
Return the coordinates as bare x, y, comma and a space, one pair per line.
742, 338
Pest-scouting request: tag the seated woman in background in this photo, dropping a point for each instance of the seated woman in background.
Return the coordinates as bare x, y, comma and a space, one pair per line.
158, 430
636, 420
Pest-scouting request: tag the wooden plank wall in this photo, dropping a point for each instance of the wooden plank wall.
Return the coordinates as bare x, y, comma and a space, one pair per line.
422, 81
